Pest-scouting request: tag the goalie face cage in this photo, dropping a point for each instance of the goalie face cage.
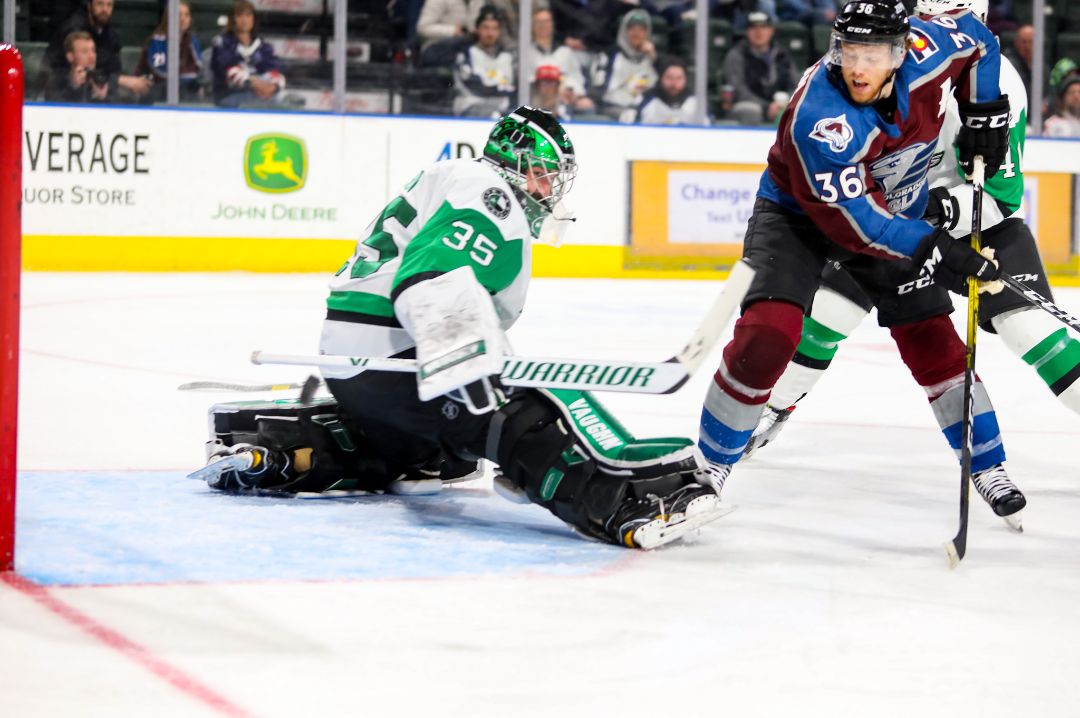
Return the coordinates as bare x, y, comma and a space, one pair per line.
11, 106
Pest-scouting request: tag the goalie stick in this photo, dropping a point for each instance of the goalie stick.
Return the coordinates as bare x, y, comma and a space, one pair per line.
584, 374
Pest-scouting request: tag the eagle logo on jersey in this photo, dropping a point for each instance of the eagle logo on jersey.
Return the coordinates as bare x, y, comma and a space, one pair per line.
922, 46
902, 175
833, 131
497, 202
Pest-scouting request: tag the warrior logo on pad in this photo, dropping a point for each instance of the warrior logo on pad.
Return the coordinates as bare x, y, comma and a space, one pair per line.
833, 131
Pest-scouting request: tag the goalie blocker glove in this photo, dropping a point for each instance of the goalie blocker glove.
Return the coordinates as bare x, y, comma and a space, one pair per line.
984, 130
940, 252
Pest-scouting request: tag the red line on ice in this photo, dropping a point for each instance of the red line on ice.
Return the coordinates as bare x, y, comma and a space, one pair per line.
113, 639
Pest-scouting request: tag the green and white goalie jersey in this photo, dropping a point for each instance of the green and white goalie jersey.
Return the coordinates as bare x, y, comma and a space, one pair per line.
456, 213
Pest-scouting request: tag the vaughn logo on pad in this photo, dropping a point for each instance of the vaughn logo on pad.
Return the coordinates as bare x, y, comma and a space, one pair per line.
275, 163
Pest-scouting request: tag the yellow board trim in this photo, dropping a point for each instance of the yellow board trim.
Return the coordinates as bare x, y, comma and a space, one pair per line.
51, 253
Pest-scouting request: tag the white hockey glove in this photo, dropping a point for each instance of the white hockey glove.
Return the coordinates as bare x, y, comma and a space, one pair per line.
460, 344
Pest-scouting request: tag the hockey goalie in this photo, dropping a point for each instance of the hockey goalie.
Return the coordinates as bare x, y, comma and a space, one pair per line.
439, 276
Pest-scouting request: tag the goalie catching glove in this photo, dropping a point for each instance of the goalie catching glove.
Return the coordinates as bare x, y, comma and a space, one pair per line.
460, 344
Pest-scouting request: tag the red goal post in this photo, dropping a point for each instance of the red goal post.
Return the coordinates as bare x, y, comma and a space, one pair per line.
11, 107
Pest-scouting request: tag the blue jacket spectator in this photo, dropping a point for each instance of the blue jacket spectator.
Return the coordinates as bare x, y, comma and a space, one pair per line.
155, 55
246, 70
810, 12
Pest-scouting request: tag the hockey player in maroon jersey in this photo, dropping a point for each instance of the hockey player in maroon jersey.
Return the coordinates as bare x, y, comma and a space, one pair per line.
847, 182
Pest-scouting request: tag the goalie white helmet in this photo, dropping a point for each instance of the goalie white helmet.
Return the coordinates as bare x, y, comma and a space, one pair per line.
979, 8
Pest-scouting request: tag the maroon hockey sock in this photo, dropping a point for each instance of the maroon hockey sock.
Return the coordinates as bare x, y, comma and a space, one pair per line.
932, 350
765, 339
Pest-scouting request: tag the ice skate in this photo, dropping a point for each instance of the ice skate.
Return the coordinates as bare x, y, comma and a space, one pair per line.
655, 520
995, 486
233, 468
771, 423
714, 475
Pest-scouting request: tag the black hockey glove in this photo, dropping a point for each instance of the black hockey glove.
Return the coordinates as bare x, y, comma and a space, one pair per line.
941, 251
984, 131
942, 209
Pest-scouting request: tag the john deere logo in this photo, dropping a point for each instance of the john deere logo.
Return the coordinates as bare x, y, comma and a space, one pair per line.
275, 163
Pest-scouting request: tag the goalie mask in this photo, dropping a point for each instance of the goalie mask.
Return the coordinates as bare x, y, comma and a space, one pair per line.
533, 154
978, 8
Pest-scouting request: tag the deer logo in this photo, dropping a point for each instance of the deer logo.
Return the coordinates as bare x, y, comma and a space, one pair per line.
275, 163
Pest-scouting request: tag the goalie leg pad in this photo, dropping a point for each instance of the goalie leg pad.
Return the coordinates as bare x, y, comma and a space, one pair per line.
541, 455
309, 447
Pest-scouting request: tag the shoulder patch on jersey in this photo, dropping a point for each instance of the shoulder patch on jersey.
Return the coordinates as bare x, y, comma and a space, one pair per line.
922, 45
497, 202
833, 131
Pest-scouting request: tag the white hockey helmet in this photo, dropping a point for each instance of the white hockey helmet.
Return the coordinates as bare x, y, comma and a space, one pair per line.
978, 8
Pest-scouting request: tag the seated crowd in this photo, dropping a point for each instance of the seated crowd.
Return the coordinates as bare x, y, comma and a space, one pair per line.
586, 59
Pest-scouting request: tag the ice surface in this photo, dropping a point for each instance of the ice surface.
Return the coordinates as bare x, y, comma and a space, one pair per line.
826, 594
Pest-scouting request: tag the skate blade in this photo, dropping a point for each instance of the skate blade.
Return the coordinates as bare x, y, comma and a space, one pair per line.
701, 511
237, 462
1014, 522
419, 487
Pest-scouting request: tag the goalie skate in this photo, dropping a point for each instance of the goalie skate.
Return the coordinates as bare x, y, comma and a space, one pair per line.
656, 522
213, 470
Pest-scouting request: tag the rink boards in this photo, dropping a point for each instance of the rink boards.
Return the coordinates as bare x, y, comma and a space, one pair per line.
195, 190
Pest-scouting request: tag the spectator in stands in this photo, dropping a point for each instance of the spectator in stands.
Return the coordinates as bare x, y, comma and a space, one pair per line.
442, 20
246, 70
761, 72
545, 93
82, 81
1064, 69
808, 12
484, 77
153, 61
1020, 55
546, 51
625, 74
1066, 123
588, 25
736, 11
508, 18
670, 102
97, 22
1001, 17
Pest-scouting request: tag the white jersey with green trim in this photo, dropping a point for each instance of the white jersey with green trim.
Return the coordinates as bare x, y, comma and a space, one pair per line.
455, 213
1005, 190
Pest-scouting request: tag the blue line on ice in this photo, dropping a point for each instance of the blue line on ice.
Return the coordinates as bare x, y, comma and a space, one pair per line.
80, 528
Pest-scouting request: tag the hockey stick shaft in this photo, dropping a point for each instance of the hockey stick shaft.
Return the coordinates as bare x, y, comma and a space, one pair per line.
958, 546
583, 374
1041, 302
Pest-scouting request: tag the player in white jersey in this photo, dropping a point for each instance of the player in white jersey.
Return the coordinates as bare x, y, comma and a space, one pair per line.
439, 276
1033, 335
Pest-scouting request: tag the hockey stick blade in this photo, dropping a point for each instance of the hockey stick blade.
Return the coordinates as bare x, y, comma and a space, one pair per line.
583, 374
227, 386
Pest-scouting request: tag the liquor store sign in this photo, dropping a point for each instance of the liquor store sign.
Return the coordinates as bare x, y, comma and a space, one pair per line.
125, 172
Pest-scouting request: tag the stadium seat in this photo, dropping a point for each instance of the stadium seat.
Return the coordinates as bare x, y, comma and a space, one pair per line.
795, 38
720, 41
820, 35
1068, 45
